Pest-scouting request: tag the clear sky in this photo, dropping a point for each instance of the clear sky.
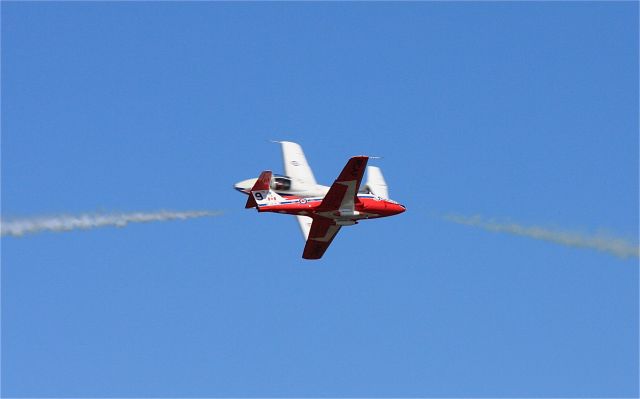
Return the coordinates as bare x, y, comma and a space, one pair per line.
524, 111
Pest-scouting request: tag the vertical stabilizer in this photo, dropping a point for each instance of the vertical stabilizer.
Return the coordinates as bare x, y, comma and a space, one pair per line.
261, 193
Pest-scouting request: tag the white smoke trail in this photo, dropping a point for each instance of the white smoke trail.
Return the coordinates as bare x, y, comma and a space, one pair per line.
20, 227
601, 242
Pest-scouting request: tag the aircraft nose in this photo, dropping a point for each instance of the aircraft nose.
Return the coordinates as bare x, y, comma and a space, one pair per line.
398, 208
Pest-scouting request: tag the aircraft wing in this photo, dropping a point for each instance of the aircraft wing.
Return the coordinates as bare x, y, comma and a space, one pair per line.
376, 183
323, 231
305, 225
343, 192
296, 166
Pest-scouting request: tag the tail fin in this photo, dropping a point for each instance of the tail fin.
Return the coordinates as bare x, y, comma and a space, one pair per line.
261, 193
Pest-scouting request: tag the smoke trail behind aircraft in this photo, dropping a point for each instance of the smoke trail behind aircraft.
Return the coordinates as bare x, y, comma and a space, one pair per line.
59, 223
613, 245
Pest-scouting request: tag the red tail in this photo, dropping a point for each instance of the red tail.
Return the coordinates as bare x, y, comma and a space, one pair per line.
263, 183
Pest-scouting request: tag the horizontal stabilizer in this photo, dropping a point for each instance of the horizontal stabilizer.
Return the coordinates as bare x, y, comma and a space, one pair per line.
251, 202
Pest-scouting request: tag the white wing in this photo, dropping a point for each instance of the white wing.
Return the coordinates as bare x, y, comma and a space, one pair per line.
305, 225
376, 183
296, 166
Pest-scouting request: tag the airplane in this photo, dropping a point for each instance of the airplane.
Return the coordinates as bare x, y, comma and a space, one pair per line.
320, 216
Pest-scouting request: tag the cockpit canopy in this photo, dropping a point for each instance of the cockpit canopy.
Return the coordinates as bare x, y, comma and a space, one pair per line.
281, 183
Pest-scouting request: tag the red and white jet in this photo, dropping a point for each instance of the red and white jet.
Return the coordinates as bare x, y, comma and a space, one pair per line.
322, 217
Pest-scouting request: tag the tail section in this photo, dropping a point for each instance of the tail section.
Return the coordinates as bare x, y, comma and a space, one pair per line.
261, 193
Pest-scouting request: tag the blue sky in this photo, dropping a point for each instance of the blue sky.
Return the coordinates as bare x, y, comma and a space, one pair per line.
526, 111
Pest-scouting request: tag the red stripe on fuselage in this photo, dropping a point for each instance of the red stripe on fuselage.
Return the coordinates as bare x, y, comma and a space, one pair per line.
368, 206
